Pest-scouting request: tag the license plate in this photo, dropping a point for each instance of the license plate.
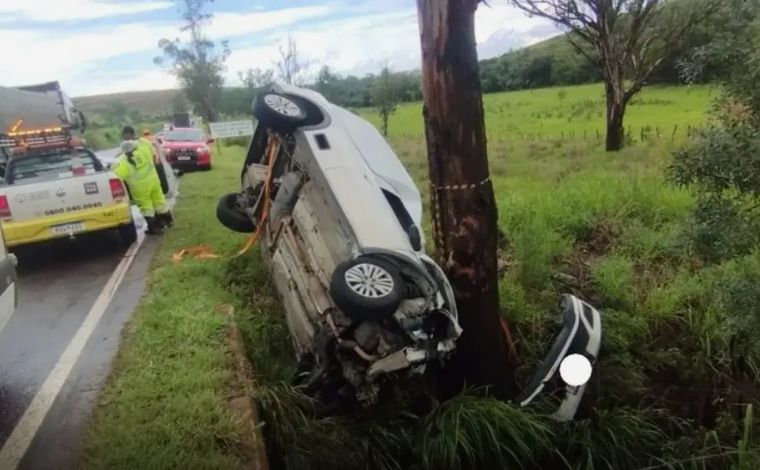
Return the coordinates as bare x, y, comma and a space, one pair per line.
183, 159
67, 229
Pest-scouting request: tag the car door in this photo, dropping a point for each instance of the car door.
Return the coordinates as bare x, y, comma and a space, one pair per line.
8, 298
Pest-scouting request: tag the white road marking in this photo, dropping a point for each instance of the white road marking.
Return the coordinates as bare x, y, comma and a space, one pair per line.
7, 303
21, 437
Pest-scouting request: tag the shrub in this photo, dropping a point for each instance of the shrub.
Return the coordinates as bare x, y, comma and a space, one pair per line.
721, 229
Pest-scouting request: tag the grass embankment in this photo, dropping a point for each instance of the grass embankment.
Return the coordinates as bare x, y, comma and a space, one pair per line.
164, 403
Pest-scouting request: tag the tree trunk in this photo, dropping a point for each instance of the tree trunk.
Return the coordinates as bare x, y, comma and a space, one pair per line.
462, 200
615, 98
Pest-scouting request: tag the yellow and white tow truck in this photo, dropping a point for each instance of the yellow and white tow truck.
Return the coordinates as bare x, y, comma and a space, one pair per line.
55, 187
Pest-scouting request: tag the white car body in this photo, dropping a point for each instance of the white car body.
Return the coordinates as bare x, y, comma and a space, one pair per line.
347, 197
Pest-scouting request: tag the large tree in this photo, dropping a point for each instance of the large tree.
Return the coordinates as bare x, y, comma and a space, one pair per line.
195, 62
462, 199
627, 40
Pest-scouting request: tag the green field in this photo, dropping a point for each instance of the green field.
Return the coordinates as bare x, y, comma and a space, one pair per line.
571, 112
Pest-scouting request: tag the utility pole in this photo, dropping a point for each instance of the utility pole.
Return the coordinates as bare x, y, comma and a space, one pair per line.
461, 194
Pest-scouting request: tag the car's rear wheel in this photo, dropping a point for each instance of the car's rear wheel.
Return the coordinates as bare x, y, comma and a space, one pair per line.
278, 112
231, 216
367, 288
128, 234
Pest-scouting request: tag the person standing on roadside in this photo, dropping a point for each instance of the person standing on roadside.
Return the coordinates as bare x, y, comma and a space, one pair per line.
146, 137
135, 166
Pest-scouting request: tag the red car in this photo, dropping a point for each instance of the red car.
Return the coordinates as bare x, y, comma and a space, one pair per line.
186, 148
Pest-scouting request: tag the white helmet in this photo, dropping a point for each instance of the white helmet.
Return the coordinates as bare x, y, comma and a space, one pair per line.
128, 146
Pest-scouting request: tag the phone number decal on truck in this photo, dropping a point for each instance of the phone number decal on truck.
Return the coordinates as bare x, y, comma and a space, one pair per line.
73, 208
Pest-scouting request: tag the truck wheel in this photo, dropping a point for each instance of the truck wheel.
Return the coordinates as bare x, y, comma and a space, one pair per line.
367, 288
128, 234
231, 216
278, 112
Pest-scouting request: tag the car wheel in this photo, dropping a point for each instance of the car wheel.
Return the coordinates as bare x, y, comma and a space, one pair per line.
128, 234
278, 112
367, 288
231, 216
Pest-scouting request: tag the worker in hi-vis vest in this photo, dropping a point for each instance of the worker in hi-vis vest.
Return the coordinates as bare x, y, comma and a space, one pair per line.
135, 166
148, 139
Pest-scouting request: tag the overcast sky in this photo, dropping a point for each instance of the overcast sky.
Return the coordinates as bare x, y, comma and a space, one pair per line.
105, 46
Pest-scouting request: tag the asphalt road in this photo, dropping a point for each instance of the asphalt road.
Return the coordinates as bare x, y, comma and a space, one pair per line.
56, 349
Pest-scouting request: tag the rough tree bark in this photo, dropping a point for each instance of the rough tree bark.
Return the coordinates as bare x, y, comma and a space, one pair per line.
615, 105
462, 200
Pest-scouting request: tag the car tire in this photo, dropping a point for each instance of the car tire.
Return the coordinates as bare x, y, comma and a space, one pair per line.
278, 112
231, 217
367, 288
128, 234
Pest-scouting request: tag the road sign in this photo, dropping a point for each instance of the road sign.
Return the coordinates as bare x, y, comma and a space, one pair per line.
224, 130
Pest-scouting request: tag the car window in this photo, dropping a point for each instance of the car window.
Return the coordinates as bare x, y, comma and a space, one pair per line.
184, 135
50, 166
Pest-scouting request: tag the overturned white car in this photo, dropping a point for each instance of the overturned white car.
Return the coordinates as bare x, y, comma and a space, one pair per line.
339, 219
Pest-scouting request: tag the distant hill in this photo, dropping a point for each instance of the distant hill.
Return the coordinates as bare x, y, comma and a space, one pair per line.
148, 103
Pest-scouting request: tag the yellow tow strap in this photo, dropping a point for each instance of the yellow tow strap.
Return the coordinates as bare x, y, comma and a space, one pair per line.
204, 251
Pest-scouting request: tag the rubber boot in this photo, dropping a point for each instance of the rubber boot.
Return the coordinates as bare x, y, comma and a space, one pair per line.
155, 227
166, 218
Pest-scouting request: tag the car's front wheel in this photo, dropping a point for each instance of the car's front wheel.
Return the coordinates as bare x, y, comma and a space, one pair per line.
278, 112
231, 216
367, 288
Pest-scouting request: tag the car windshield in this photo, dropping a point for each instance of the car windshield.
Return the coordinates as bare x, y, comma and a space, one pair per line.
49, 166
184, 135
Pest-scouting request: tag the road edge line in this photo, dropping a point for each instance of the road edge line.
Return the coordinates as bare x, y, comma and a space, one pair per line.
18, 442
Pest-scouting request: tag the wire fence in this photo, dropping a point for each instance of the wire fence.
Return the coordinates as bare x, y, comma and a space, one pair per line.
632, 134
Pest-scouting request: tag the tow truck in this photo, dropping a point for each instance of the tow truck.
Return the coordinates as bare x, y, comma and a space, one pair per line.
57, 188
54, 186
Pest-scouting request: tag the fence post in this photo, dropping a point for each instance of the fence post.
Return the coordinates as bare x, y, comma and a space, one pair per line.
675, 129
642, 134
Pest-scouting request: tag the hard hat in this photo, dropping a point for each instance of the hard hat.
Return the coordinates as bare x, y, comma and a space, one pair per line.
146, 132
128, 146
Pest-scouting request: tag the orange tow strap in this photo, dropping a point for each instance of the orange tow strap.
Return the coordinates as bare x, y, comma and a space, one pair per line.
204, 251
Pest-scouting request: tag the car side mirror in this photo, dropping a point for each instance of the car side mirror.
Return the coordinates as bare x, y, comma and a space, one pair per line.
210, 140
160, 140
